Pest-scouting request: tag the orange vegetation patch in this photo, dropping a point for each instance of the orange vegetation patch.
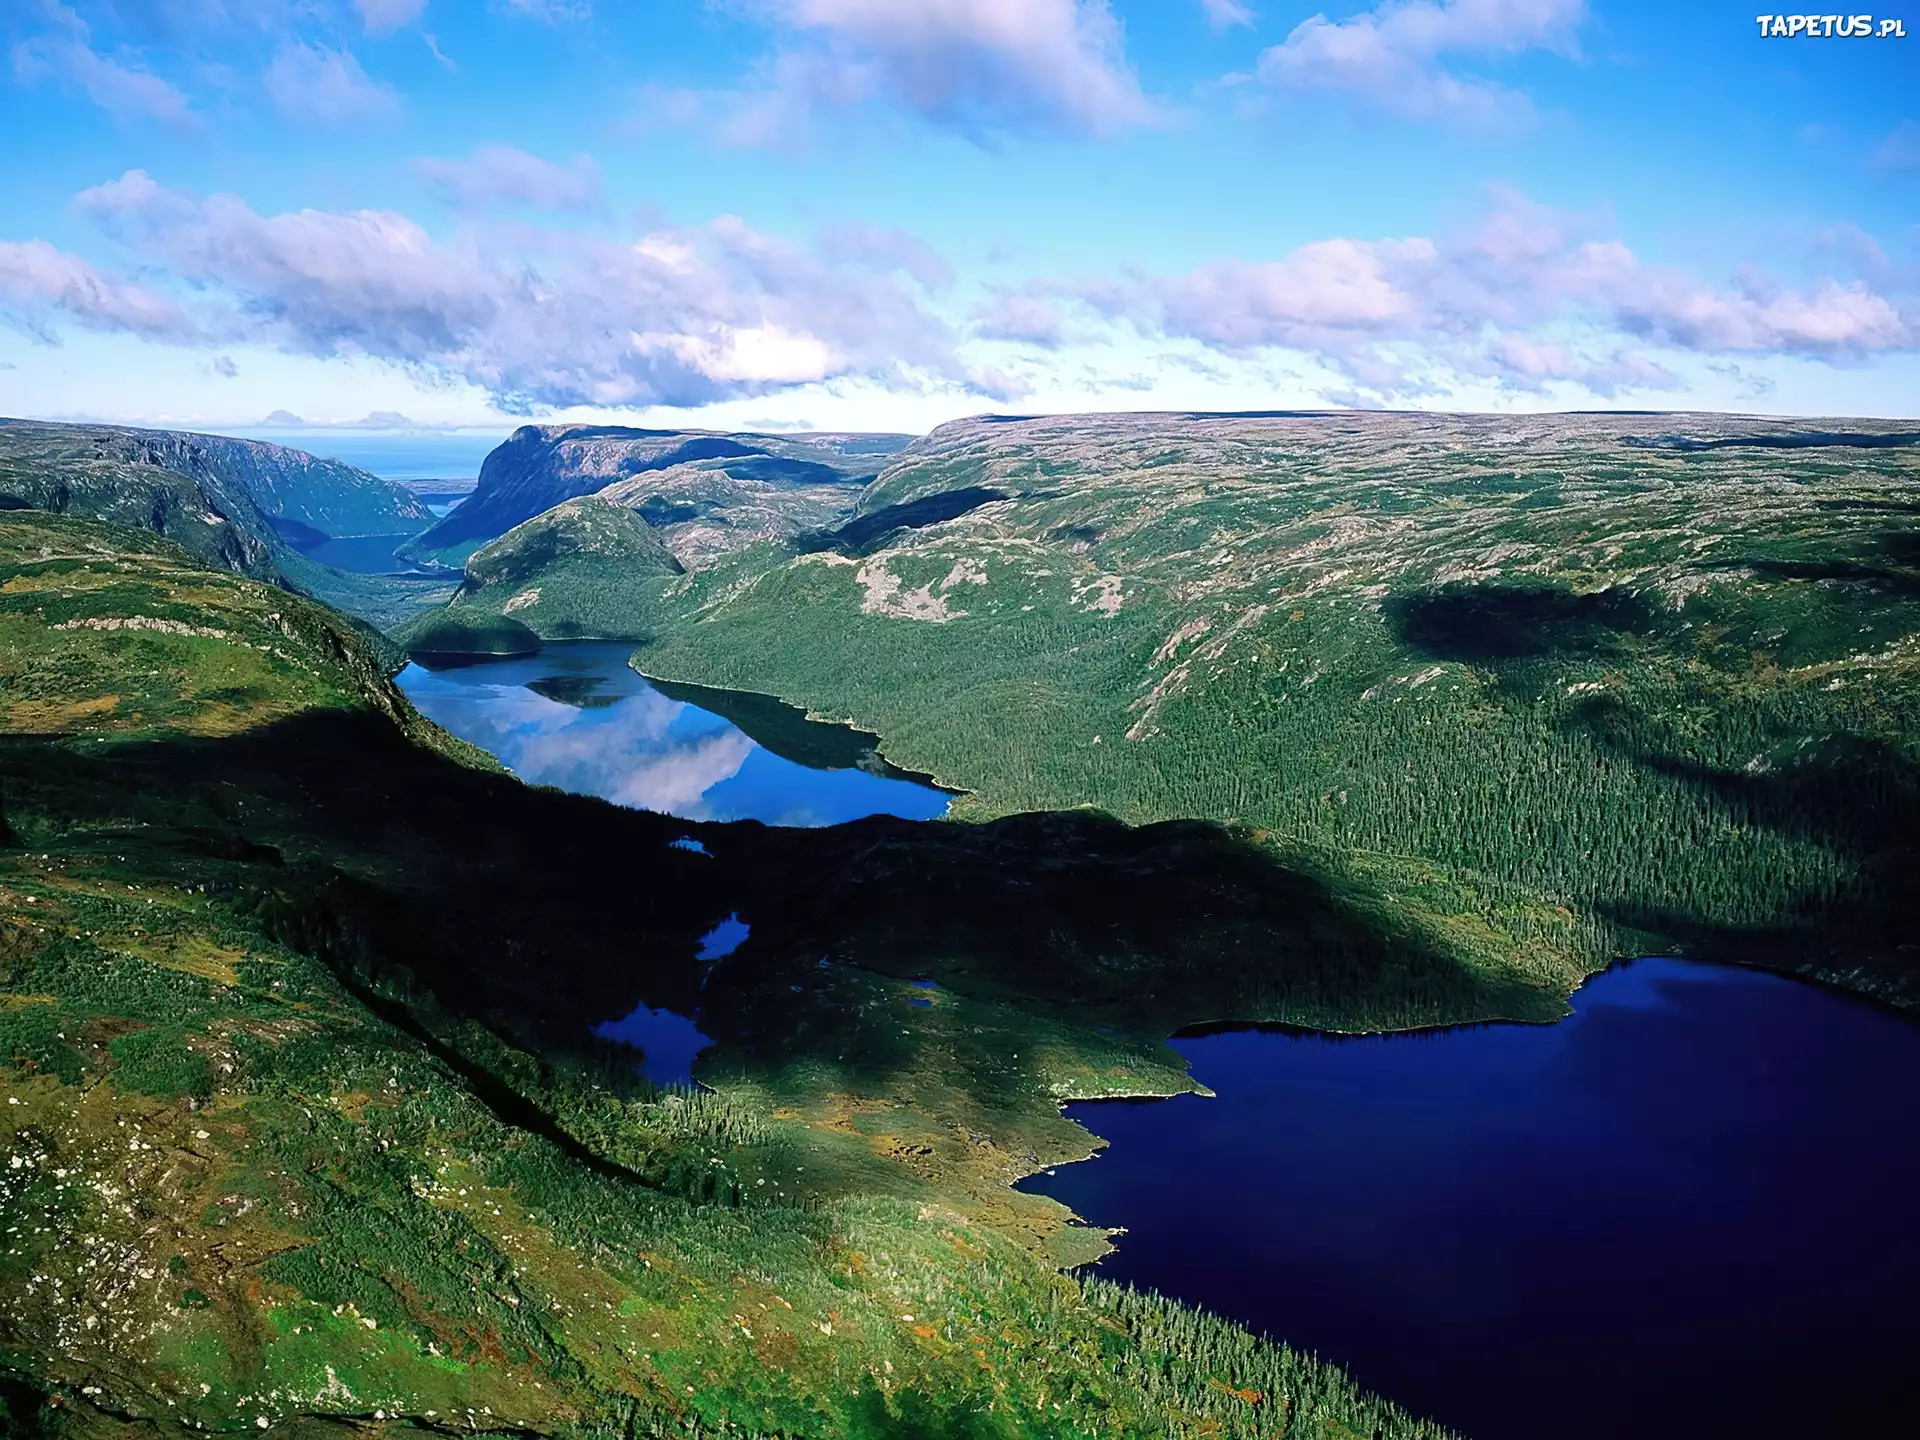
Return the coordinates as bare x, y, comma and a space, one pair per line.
58, 716
1252, 1397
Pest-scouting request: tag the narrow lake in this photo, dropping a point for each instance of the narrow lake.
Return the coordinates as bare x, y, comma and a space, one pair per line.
1686, 1211
577, 716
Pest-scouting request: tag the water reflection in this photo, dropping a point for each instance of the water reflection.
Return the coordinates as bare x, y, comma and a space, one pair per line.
578, 717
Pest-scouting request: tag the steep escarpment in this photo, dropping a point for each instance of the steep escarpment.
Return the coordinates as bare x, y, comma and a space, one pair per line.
299, 491
230, 502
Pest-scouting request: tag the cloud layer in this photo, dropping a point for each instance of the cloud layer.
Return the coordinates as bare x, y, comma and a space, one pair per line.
502, 175
534, 316
1529, 297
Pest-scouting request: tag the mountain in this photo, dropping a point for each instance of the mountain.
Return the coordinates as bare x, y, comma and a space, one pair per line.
1613, 684
289, 487
240, 505
673, 476
309, 1132
586, 568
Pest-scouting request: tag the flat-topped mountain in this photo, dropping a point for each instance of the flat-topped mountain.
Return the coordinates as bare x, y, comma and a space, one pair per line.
670, 476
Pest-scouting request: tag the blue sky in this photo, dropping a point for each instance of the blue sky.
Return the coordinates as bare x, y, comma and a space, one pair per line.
888, 213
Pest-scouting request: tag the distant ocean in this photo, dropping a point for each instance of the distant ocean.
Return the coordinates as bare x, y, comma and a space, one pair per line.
393, 457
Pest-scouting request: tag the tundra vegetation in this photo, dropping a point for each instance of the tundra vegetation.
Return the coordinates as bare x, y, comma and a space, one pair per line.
306, 1129
1357, 722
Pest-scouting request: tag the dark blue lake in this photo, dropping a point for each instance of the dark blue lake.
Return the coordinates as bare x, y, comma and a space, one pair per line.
1685, 1211
579, 717
360, 554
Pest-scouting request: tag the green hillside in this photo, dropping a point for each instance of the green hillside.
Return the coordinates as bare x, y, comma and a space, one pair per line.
1656, 672
307, 1130
588, 568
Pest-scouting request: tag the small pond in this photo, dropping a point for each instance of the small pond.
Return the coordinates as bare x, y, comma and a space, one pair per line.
1685, 1211
579, 717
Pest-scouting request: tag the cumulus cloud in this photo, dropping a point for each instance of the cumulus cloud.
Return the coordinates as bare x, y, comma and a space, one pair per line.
500, 174
122, 86
315, 85
1225, 14
981, 66
681, 316
1399, 55
37, 280
1481, 303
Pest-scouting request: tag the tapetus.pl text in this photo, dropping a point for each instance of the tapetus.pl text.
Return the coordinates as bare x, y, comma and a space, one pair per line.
1830, 27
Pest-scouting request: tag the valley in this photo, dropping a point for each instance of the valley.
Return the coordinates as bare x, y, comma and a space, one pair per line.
1358, 723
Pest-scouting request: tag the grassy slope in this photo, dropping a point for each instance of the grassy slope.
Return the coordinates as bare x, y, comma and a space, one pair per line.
304, 1120
1668, 692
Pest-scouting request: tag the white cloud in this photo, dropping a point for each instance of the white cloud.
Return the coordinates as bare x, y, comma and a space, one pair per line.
37, 280
1397, 55
500, 174
124, 87
979, 65
1501, 302
382, 17
538, 317
886, 249
1022, 318
315, 85
1225, 14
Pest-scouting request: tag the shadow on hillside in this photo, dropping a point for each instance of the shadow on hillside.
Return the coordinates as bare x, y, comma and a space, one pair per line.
541, 914
1486, 624
1877, 579
1793, 440
1857, 796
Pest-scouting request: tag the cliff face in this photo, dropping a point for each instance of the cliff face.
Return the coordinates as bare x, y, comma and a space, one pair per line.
326, 495
302, 492
540, 466
233, 504
146, 480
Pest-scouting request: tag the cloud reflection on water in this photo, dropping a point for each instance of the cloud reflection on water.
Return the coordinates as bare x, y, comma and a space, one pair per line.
643, 749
